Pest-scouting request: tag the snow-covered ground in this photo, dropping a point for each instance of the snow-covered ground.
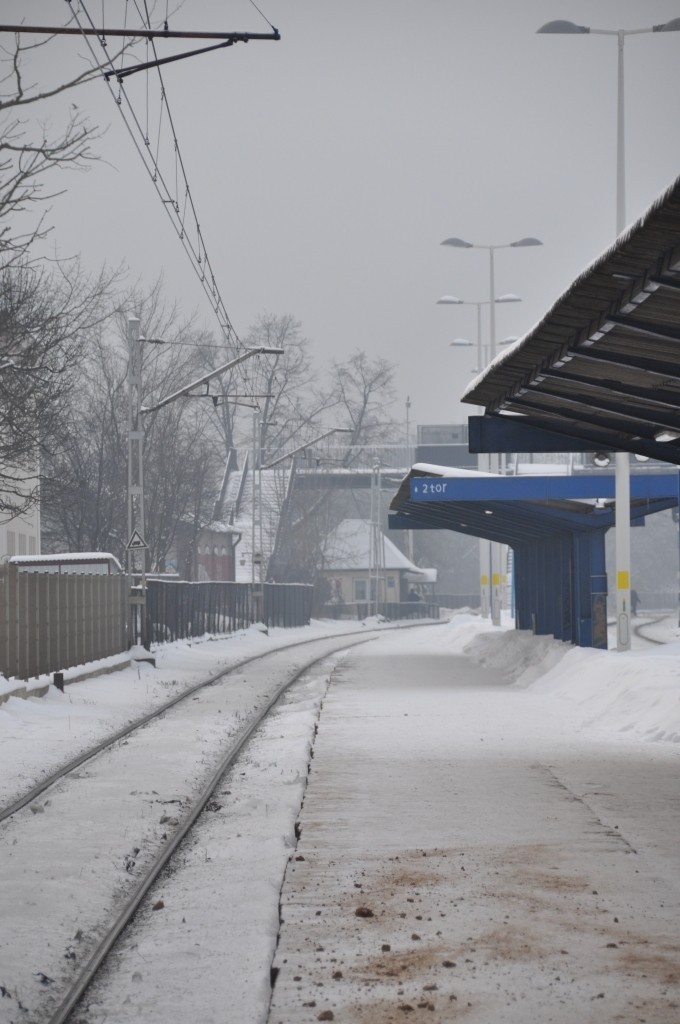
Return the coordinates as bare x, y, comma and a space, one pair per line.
520, 691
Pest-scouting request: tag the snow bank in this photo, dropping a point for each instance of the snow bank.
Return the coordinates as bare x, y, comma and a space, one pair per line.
634, 692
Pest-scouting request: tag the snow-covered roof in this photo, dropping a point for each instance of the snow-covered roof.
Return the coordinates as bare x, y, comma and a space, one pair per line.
219, 527
422, 576
67, 556
430, 469
348, 547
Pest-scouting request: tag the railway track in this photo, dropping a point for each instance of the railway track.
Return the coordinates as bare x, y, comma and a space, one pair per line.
224, 712
41, 787
640, 627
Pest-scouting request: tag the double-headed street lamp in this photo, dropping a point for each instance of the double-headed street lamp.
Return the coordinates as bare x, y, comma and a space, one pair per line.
492, 464
570, 28
622, 507
460, 243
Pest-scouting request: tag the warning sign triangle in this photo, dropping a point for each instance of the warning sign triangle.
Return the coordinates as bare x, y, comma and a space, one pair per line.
136, 542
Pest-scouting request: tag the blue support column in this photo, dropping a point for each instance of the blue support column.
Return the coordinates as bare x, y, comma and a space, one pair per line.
590, 588
568, 611
598, 589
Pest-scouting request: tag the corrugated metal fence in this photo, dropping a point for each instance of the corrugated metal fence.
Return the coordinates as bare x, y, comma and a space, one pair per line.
50, 622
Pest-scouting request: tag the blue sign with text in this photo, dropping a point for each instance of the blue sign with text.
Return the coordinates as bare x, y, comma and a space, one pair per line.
539, 488
429, 488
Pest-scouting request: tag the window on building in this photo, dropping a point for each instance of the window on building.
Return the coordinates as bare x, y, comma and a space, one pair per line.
22, 544
33, 545
11, 543
360, 590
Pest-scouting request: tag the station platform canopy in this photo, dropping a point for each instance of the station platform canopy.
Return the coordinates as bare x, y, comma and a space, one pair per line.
555, 525
602, 368
520, 510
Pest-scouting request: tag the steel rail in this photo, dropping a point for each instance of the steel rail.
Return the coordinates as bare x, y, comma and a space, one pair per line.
639, 627
86, 976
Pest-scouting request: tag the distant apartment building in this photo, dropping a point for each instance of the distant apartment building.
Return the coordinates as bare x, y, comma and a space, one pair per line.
21, 535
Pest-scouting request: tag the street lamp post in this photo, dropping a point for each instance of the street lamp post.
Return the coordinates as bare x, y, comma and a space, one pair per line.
570, 28
376, 544
485, 549
622, 465
492, 462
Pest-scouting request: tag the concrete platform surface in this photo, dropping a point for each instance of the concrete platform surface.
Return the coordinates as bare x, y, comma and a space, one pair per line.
461, 858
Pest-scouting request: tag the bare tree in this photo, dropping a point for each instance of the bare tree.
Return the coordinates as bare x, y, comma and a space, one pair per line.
46, 309
45, 318
32, 150
291, 406
361, 392
85, 483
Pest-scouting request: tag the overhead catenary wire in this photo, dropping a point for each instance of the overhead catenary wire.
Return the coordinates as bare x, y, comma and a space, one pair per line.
184, 219
262, 15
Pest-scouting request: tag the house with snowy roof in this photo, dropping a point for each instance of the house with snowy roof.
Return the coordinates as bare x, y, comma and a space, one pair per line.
352, 563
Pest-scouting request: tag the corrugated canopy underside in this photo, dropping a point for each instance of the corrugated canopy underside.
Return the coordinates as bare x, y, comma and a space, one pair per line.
604, 363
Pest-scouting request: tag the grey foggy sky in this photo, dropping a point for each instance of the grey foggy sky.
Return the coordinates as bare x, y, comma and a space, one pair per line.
328, 167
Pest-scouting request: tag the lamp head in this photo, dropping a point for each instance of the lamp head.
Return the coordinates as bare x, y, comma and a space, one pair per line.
449, 300
461, 342
562, 28
458, 243
669, 26
523, 242
509, 297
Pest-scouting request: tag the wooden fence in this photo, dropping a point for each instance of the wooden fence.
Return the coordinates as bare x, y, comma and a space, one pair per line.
50, 622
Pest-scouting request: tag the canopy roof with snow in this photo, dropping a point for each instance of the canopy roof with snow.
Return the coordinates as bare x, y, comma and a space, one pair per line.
603, 365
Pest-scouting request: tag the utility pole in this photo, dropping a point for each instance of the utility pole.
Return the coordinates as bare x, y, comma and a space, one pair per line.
136, 545
376, 549
256, 556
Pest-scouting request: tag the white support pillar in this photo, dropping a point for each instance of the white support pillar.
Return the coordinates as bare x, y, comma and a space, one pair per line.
622, 524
